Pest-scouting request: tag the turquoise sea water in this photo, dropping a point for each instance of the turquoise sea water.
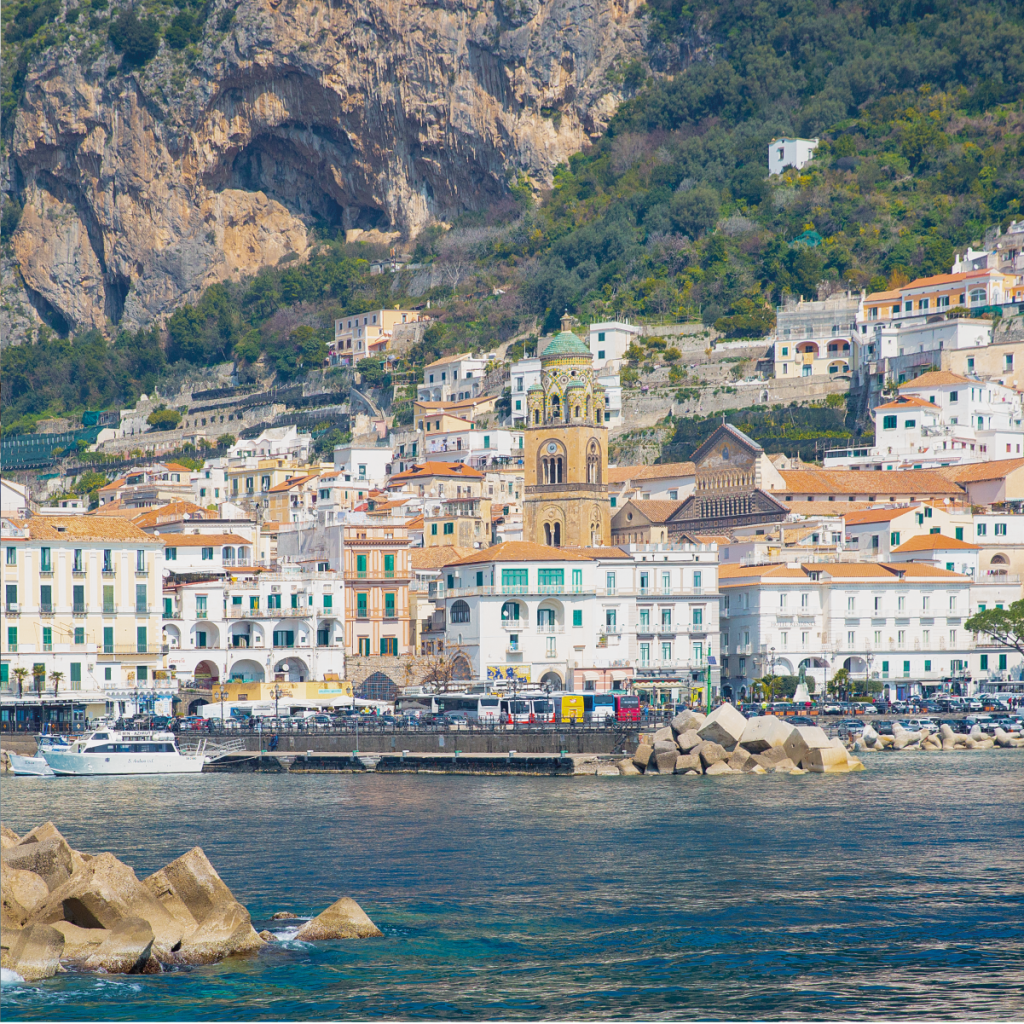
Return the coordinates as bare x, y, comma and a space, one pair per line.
895, 892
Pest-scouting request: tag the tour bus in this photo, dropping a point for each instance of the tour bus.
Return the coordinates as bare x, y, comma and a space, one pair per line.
478, 707
571, 707
627, 708
527, 708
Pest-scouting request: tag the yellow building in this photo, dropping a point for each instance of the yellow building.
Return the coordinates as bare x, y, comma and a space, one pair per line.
566, 450
378, 569
321, 692
82, 600
464, 522
256, 477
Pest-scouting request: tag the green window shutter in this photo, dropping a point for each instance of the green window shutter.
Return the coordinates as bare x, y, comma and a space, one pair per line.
479, 579
79, 634
140, 635
328, 601
577, 616
108, 639
361, 563
78, 597
12, 637
383, 645
433, 529
984, 663
47, 636
389, 564
76, 671
959, 533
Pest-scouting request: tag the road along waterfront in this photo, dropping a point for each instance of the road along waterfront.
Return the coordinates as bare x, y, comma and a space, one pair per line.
894, 891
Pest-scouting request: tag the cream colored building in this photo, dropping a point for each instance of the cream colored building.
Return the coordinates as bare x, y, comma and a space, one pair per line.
82, 599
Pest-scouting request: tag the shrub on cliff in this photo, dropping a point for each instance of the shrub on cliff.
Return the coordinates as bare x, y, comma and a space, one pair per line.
136, 39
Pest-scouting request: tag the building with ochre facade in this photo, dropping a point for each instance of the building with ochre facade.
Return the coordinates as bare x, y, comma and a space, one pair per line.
566, 450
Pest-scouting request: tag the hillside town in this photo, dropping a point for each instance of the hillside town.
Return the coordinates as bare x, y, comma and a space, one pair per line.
492, 544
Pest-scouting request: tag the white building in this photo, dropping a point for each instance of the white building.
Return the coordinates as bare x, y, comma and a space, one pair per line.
940, 419
898, 624
525, 373
643, 615
815, 338
256, 628
608, 343
453, 378
358, 336
783, 153
364, 464
477, 448
274, 443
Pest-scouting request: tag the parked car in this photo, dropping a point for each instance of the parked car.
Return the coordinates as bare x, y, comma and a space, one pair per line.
852, 725
800, 720
456, 719
916, 724
831, 708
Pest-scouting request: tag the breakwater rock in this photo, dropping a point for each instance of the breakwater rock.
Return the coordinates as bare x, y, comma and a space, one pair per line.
941, 739
63, 909
726, 743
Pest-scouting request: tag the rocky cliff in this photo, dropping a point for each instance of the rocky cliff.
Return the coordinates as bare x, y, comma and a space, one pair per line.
141, 188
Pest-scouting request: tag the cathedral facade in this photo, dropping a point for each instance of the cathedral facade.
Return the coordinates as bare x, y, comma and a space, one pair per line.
566, 450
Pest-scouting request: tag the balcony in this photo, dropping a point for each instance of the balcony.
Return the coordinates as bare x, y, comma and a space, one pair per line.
111, 651
78, 608
108, 573
12, 609
141, 607
45, 609
109, 609
201, 613
516, 625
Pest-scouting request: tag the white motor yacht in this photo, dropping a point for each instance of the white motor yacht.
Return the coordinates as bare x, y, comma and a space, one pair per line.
108, 752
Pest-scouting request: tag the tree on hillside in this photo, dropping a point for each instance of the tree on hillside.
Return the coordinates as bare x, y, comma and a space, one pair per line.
164, 419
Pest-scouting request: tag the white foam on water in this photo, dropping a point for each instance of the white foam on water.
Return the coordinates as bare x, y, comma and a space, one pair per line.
9, 977
289, 933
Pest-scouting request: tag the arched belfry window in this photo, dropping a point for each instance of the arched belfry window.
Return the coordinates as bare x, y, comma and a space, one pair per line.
593, 463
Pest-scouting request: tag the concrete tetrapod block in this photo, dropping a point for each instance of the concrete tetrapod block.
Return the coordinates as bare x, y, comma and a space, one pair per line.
225, 931
9, 834
869, 735
190, 884
666, 761
102, 894
763, 732
710, 753
739, 759
724, 725
686, 720
665, 747
686, 741
720, 768
35, 952
343, 919
664, 735
126, 949
79, 942
803, 738
25, 888
626, 767
753, 768
826, 759
49, 858
643, 755
688, 763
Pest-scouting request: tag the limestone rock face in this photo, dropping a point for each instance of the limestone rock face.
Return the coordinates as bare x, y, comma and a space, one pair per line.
343, 919
724, 725
664, 736
141, 189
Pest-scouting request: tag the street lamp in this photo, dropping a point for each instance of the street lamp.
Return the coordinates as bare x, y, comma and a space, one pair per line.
221, 691
868, 661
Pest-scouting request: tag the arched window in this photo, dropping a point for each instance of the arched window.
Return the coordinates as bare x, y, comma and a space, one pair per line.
557, 535
977, 296
536, 416
558, 470
460, 612
510, 611
593, 464
229, 553
556, 407
547, 534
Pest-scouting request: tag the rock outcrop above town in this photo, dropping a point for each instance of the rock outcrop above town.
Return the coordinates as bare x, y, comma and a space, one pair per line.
142, 187
62, 909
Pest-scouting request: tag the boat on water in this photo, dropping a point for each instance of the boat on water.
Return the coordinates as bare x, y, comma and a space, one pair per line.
23, 764
109, 752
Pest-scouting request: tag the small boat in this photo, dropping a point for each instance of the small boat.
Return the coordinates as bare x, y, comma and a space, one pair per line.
22, 764
107, 752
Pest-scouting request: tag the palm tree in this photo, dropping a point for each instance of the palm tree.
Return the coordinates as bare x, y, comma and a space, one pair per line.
56, 678
19, 674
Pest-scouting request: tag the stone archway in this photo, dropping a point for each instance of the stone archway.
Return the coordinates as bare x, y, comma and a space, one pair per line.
376, 686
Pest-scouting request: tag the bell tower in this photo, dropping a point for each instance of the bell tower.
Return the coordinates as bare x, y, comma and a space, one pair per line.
566, 450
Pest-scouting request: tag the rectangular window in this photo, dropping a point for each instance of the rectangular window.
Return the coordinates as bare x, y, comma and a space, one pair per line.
698, 617
1000, 529
984, 663
140, 560
79, 634
901, 604
361, 605
76, 675
609, 582
47, 638
982, 529
328, 602
207, 555
389, 646
666, 651
959, 532
697, 581
851, 604
295, 600
1002, 662
515, 577
78, 599
449, 528
200, 638
389, 606
433, 529
171, 554
889, 423
364, 647
12, 638
851, 639
141, 599
361, 566
168, 607
76, 561
141, 639
894, 540
577, 578
389, 567
12, 556
11, 596
927, 665
577, 616
108, 639
551, 577
906, 669
46, 599
609, 618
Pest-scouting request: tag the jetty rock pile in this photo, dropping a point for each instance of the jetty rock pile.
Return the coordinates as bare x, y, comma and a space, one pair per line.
942, 739
726, 743
62, 909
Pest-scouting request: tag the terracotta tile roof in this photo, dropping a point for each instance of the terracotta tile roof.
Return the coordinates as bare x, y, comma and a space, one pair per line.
916, 569
100, 528
436, 557
909, 402
201, 540
445, 469
735, 571
167, 513
522, 551
850, 481
664, 471
655, 511
175, 467
600, 552
934, 379
114, 508
978, 471
713, 538
295, 481
462, 403
416, 523
878, 515
882, 296
451, 359
827, 508
849, 569
934, 542
113, 485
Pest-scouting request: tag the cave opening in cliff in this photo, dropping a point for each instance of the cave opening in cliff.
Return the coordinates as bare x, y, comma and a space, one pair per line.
303, 182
